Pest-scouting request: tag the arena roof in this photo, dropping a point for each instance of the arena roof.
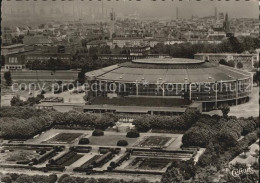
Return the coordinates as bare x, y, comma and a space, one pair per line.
167, 61
172, 73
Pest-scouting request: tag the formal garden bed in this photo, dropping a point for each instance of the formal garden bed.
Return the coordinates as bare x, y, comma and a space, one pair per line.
154, 141
110, 140
66, 160
148, 163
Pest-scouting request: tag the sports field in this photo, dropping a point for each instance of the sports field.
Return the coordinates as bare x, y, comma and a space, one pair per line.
43, 75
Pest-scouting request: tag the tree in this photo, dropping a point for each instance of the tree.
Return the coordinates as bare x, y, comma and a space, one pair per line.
8, 78
24, 178
172, 175
239, 65
86, 98
236, 45
2, 61
223, 62
6, 179
225, 110
256, 64
256, 77
16, 101
142, 124
231, 63
81, 77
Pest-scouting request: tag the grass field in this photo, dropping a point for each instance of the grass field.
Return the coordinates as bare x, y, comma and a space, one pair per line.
18, 155
63, 138
43, 75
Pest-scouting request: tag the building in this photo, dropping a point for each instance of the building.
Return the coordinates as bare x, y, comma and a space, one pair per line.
38, 40
6, 36
171, 78
140, 50
17, 61
16, 48
127, 41
247, 60
96, 43
128, 57
46, 56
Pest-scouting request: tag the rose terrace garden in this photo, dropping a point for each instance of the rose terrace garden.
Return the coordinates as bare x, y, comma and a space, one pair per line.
89, 146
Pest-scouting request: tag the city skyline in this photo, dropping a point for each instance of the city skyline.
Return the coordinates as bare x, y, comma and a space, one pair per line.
142, 9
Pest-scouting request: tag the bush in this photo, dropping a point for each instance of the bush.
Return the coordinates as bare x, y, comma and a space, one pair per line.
52, 178
122, 143
239, 65
84, 141
112, 164
223, 62
231, 63
133, 134
64, 176
97, 133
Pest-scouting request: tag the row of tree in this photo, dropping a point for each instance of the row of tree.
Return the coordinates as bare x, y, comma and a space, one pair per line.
25, 122
15, 128
98, 121
16, 101
177, 123
187, 50
231, 63
22, 178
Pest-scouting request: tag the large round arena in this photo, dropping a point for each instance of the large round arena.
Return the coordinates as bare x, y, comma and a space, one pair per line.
195, 80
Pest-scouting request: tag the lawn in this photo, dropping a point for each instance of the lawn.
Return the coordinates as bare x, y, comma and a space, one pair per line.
44, 75
110, 140
154, 141
63, 138
21, 155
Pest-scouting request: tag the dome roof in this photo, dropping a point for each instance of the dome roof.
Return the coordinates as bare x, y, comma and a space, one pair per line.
167, 70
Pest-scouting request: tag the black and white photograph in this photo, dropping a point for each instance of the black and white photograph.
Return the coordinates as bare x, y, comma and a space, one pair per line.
129, 91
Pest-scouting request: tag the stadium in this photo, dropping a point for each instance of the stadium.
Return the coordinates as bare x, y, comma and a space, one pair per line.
171, 79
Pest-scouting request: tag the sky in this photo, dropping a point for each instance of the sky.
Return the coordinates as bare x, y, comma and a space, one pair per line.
146, 8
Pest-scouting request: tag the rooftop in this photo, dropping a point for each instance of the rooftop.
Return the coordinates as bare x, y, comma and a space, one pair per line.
12, 46
237, 54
